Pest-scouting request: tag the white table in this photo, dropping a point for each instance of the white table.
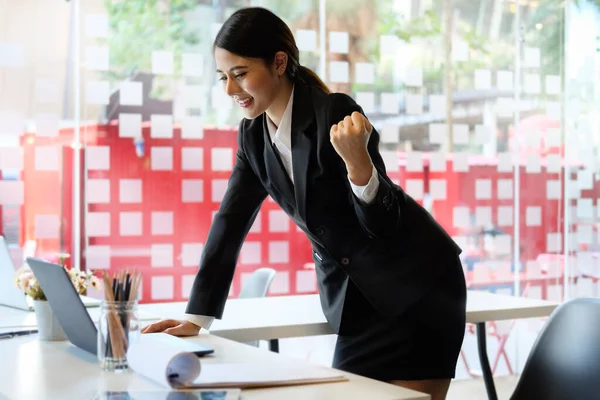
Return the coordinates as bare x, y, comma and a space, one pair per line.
31, 369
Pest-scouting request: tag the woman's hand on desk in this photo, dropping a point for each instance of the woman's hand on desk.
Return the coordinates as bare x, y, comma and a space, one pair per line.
173, 327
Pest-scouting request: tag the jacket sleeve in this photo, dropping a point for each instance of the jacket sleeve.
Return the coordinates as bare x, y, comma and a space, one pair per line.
241, 203
379, 218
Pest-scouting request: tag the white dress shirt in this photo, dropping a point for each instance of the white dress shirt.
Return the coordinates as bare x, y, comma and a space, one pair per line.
282, 139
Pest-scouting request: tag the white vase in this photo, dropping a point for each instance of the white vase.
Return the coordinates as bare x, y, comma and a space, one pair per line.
49, 328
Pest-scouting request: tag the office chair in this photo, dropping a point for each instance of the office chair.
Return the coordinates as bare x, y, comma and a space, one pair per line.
565, 360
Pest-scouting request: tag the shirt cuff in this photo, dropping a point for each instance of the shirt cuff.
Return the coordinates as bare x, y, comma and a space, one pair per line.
367, 193
202, 321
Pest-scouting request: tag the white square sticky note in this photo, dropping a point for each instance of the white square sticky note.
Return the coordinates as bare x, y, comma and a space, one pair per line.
278, 221
193, 96
306, 281
414, 104
388, 45
505, 216
366, 100
414, 188
306, 39
47, 158
534, 164
531, 57
483, 134
390, 159
483, 216
505, 162
461, 217
97, 257
281, 283
12, 124
97, 92
364, 73
130, 93
413, 76
97, 158
483, 79
47, 125
553, 85
533, 216
47, 226
437, 105
162, 62
390, 103
338, 42
503, 245
192, 64
437, 161
46, 91
130, 223
98, 191
130, 191
553, 163
437, 188
505, 189
11, 193
553, 138
192, 158
221, 159
161, 126
460, 162
504, 107
585, 209
161, 255
460, 133
483, 189
339, 72
96, 25
161, 158
162, 223
191, 253
504, 80
11, 54
251, 253
390, 133
414, 161
187, 283
219, 187
585, 179
192, 191
11, 158
553, 189
192, 128
96, 58
460, 50
279, 252
532, 84
554, 242
98, 224
130, 125
163, 287
438, 133
585, 234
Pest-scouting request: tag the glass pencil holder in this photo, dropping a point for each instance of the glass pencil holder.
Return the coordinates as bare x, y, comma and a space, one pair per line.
117, 328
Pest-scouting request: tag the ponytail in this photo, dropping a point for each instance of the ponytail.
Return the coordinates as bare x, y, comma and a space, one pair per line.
311, 78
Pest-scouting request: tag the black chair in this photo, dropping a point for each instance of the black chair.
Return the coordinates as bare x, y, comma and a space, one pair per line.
564, 363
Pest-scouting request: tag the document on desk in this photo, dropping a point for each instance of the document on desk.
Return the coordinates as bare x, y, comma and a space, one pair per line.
167, 365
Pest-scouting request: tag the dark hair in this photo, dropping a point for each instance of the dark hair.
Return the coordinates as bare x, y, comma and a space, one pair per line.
256, 32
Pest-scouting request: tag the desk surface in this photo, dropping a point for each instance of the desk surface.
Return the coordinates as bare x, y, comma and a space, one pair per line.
30, 370
298, 316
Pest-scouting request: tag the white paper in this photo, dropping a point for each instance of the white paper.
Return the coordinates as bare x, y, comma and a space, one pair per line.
414, 104
98, 224
339, 72
437, 187
505, 216
364, 73
130, 191
461, 217
483, 79
96, 25
503, 245
553, 163
130, 223
47, 226
97, 92
306, 40
98, 191
554, 242
533, 216
504, 80
192, 128
437, 105
390, 133
483, 189
278, 221
390, 103
162, 223
460, 133
192, 64
505, 189
11, 54
162, 287
388, 45
11, 158
413, 77
483, 216
280, 283
460, 162
11, 193
221, 159
532, 84
161, 126
162, 62
46, 91
161, 158
338, 42
191, 253
438, 133
553, 189
251, 253
279, 252
130, 93
437, 161
161, 256
97, 158
534, 164
553, 85
219, 187
531, 57
96, 58
366, 100
97, 257
414, 161
130, 125
585, 209
414, 188
305, 282
483, 134
192, 158
192, 191
460, 50
47, 158
47, 125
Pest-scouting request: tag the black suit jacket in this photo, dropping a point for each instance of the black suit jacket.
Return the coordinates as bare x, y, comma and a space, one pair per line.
391, 250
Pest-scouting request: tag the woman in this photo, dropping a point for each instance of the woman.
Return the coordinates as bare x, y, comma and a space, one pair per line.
390, 281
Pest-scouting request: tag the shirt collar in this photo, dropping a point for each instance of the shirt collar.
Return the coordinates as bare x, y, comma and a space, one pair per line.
283, 133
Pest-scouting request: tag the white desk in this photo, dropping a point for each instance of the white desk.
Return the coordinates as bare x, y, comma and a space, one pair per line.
31, 369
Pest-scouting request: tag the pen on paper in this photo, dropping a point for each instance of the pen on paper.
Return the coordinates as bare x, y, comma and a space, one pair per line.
9, 335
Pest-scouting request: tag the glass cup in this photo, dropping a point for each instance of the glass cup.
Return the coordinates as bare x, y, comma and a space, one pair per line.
118, 326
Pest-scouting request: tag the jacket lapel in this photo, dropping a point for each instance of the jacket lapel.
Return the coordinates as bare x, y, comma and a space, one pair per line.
275, 168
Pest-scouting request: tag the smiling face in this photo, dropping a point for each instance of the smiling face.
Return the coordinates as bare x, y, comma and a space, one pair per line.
249, 81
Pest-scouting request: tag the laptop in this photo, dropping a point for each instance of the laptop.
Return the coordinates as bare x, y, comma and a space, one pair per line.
10, 294
72, 314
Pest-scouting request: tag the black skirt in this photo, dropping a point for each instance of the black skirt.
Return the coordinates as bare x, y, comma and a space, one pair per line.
422, 343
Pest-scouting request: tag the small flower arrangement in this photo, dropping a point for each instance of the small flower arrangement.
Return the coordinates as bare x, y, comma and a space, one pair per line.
25, 280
